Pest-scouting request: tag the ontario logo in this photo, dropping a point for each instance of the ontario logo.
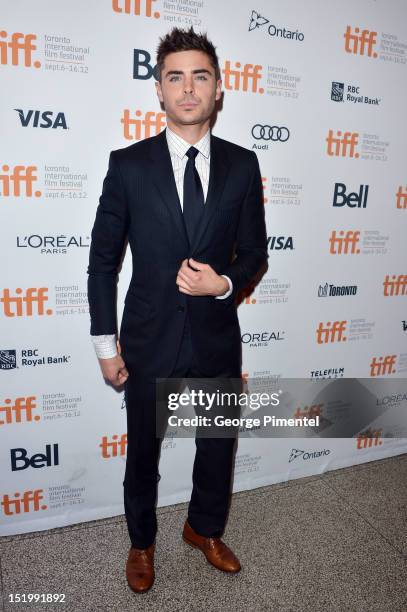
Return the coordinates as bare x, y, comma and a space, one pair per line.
258, 21
296, 453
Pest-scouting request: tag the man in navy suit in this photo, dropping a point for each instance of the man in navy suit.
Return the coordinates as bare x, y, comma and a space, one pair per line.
191, 206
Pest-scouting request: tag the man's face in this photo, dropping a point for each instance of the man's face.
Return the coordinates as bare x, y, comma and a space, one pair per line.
188, 87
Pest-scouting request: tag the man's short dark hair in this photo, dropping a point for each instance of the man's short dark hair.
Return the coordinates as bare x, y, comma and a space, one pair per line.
185, 40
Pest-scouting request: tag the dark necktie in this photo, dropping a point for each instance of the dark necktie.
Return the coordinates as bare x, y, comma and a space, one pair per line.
193, 201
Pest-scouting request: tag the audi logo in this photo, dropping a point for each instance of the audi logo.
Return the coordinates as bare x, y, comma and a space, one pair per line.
270, 132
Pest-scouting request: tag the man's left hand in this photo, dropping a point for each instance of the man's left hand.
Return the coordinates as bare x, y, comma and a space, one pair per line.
201, 281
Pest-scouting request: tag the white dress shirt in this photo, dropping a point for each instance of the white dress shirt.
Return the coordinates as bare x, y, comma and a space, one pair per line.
105, 344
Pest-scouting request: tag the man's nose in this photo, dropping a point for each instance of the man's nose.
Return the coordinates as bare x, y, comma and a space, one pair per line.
188, 85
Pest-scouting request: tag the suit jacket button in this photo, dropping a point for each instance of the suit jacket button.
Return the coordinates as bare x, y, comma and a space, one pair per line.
180, 308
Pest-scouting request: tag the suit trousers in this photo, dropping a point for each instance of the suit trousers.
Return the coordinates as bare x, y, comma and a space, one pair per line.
212, 468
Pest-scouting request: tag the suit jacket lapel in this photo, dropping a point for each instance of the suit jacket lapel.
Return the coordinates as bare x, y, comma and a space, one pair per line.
163, 178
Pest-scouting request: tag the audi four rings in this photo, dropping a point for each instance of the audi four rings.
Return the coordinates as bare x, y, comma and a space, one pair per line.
270, 132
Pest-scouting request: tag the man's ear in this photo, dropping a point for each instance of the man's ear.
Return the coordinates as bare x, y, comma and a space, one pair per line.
159, 92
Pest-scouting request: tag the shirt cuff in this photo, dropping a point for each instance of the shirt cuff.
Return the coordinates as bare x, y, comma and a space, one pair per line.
105, 346
228, 292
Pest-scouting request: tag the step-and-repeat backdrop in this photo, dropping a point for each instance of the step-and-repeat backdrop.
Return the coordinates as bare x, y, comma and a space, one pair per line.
318, 91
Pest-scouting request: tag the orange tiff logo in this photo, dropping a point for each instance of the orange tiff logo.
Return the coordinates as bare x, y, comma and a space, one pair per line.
360, 42
16, 46
29, 501
11, 181
114, 448
242, 79
369, 438
137, 129
331, 332
135, 7
344, 243
21, 411
309, 411
380, 366
342, 145
401, 198
22, 304
395, 285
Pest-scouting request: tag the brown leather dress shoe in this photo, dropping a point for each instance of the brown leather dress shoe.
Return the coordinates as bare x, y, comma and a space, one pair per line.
216, 551
140, 568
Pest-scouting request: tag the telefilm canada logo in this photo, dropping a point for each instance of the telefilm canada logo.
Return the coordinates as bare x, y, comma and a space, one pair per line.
274, 31
346, 92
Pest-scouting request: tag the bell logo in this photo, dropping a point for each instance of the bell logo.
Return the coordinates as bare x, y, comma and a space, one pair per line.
401, 198
360, 43
18, 45
20, 461
15, 178
138, 129
116, 447
135, 7
23, 305
331, 332
344, 243
19, 412
369, 438
29, 501
380, 366
240, 79
396, 285
342, 145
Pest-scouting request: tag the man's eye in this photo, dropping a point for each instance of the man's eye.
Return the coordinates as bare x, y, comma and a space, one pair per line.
174, 78
202, 77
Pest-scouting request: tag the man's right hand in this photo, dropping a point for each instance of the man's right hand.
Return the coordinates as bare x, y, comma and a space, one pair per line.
114, 369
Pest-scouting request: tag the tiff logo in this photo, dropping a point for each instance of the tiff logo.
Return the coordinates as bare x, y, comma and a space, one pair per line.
19, 412
396, 286
344, 244
369, 438
20, 175
23, 305
116, 447
244, 79
380, 366
135, 7
331, 332
309, 411
28, 502
360, 43
19, 45
401, 198
342, 145
137, 129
